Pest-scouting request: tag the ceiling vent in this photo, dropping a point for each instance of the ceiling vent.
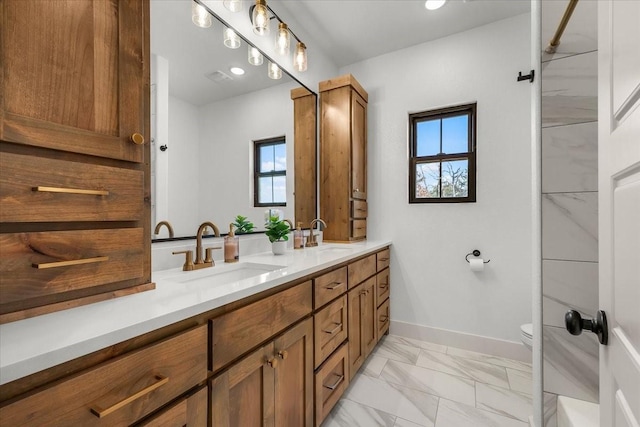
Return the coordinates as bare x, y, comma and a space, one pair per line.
218, 76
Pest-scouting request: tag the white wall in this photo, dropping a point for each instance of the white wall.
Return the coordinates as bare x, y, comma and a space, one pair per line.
227, 131
432, 284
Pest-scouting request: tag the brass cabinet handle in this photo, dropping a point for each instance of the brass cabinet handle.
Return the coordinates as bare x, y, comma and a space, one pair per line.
334, 330
362, 292
384, 259
100, 412
333, 285
282, 354
383, 285
360, 209
137, 138
384, 318
336, 384
70, 191
56, 264
273, 363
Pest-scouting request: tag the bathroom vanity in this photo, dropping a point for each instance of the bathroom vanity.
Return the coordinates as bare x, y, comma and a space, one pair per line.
288, 331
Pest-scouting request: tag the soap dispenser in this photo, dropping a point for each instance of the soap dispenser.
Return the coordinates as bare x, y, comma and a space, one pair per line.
231, 246
298, 237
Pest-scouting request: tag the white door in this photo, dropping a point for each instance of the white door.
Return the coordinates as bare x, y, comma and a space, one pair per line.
619, 208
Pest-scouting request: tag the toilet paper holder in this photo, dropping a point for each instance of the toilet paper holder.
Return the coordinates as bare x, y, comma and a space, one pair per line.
475, 253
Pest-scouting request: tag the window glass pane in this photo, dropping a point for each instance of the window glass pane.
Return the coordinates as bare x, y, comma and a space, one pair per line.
265, 190
455, 178
428, 180
427, 138
279, 189
455, 134
267, 162
280, 157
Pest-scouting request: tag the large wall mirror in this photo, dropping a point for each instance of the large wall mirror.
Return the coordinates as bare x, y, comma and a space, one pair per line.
204, 121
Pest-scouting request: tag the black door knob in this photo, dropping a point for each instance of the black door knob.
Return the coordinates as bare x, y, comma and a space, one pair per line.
575, 324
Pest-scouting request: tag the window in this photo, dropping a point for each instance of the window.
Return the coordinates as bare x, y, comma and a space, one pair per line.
442, 155
270, 172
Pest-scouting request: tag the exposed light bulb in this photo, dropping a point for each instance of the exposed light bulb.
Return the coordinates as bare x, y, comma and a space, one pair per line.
200, 16
434, 4
283, 40
300, 57
231, 39
254, 56
260, 18
274, 72
233, 5
237, 71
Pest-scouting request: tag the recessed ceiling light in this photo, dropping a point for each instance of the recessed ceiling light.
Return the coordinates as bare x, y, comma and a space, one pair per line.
237, 71
434, 4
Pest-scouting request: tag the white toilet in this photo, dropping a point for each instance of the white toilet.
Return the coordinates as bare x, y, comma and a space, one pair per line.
526, 335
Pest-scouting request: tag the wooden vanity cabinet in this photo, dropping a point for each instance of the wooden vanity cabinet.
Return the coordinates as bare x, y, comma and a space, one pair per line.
74, 164
343, 159
273, 386
305, 191
362, 324
383, 291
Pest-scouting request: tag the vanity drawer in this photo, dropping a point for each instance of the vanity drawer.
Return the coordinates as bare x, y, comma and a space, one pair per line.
330, 329
332, 380
358, 209
382, 286
329, 286
235, 333
358, 229
120, 391
383, 258
383, 316
361, 270
40, 265
37, 189
190, 412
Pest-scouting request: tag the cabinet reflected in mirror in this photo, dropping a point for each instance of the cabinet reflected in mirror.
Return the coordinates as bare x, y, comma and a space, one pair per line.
205, 119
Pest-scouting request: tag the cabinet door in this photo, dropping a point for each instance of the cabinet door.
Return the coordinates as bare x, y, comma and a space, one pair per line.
294, 377
243, 395
356, 305
74, 75
358, 147
369, 324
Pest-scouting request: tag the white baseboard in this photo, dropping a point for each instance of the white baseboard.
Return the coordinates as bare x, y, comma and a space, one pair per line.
478, 343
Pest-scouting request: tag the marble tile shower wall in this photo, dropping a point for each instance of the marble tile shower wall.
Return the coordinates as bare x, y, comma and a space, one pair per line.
569, 221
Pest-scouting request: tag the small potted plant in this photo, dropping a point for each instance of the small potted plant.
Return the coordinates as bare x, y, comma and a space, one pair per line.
243, 225
278, 234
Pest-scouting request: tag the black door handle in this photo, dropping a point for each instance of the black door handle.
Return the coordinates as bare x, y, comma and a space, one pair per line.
575, 324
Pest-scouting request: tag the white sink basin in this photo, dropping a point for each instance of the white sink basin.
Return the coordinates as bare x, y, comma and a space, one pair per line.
226, 273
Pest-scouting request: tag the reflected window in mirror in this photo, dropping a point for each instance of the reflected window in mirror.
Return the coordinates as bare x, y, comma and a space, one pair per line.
270, 172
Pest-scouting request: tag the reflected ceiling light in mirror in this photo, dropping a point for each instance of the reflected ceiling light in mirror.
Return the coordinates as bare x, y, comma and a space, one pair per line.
434, 4
236, 70
300, 57
233, 5
254, 56
283, 40
200, 16
260, 18
231, 39
274, 72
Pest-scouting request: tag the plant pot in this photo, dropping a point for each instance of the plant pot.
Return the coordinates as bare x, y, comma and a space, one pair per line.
278, 247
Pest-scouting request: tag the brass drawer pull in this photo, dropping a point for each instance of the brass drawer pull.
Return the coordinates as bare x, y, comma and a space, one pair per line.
383, 285
57, 264
336, 384
333, 285
384, 318
384, 259
334, 330
137, 138
70, 191
100, 412
282, 354
360, 209
273, 362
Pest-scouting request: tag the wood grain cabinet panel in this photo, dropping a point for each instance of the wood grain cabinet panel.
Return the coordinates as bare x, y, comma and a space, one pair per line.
330, 329
191, 411
361, 270
237, 332
118, 392
359, 209
329, 286
362, 324
305, 169
36, 189
383, 258
383, 318
332, 379
382, 286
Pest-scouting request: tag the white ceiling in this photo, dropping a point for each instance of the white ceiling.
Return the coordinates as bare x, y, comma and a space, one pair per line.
346, 31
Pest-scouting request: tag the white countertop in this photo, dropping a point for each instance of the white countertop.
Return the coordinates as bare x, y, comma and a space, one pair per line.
31, 345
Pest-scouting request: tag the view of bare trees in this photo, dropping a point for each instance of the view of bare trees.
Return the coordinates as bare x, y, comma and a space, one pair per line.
452, 183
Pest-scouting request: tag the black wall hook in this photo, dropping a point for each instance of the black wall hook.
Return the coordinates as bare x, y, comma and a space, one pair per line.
163, 148
529, 76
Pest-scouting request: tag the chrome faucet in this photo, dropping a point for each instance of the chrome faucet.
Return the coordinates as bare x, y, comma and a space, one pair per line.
311, 241
159, 226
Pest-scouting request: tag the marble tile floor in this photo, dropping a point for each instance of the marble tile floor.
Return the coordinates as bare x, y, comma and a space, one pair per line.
410, 383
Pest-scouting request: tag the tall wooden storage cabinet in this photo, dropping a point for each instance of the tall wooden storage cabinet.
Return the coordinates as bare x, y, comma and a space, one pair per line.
74, 152
343, 159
